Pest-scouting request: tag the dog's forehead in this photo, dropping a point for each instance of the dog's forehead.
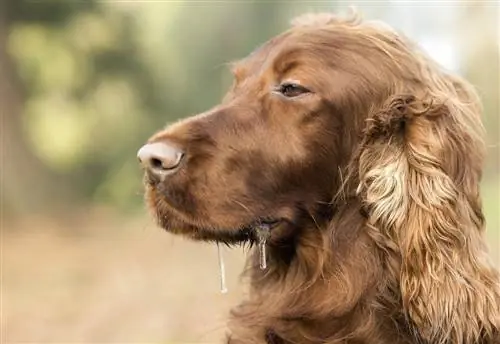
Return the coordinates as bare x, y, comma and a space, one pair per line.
279, 51
254, 61
313, 38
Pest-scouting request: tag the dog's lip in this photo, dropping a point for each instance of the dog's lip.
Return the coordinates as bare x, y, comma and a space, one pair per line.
266, 221
226, 235
185, 224
250, 229
150, 179
242, 234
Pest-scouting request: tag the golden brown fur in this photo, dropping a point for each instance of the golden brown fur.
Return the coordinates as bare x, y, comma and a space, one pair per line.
373, 176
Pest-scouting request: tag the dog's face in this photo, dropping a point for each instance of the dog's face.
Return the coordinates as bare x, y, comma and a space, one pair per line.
271, 151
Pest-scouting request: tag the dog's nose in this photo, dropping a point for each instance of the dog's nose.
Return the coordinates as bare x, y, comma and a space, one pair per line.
159, 157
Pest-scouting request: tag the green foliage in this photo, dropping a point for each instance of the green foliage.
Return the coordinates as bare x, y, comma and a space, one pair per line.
100, 78
89, 101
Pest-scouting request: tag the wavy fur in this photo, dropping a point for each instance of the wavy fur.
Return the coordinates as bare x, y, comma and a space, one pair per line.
373, 175
420, 171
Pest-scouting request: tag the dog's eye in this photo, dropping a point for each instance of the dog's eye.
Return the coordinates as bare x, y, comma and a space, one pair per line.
291, 90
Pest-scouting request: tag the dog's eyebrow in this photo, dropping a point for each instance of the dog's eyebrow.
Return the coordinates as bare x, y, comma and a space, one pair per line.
286, 67
257, 57
286, 60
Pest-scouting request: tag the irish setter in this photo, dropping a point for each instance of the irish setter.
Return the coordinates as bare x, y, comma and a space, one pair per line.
360, 158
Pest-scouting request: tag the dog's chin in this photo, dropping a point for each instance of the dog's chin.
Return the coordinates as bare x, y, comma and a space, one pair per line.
179, 223
226, 236
241, 235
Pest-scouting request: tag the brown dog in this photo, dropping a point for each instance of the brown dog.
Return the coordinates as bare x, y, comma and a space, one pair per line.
363, 158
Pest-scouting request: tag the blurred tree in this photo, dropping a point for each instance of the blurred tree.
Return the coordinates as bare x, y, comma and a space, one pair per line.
88, 82
61, 63
25, 180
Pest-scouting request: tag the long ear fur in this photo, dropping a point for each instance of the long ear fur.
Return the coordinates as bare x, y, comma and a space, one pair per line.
419, 167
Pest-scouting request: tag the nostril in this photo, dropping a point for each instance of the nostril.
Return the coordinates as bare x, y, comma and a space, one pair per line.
156, 163
160, 157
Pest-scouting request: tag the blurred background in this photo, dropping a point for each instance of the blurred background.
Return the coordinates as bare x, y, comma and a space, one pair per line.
83, 84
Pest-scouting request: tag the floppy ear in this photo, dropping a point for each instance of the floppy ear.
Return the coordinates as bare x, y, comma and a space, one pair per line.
419, 167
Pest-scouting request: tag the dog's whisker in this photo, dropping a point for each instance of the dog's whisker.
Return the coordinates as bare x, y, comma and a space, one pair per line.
314, 219
341, 192
242, 206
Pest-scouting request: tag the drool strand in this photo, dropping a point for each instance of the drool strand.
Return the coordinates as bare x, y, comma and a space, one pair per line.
222, 271
262, 255
263, 232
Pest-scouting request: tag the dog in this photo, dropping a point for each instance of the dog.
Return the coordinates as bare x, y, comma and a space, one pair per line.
355, 161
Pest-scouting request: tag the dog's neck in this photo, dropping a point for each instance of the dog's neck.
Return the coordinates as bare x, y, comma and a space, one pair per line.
325, 275
314, 248
309, 245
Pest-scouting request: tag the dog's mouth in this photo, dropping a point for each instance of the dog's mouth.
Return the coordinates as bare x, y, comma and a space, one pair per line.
177, 222
248, 234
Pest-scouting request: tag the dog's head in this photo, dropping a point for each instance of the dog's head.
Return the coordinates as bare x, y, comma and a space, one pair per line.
273, 150
333, 109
